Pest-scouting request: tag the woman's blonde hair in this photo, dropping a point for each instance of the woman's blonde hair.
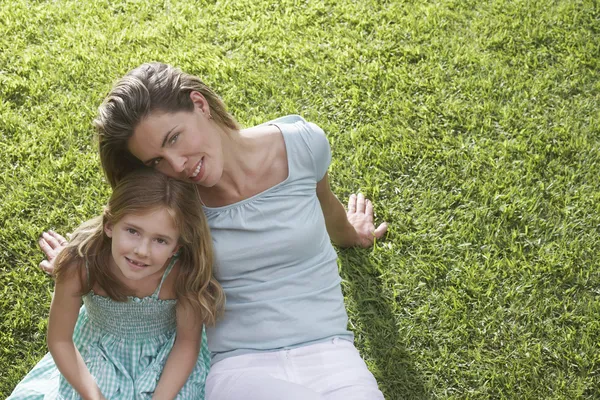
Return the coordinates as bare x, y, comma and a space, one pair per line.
141, 191
151, 87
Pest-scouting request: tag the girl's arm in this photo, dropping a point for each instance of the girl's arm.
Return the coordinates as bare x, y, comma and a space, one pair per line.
352, 228
183, 355
64, 311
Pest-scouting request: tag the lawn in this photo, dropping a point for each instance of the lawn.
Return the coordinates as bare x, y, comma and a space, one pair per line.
474, 126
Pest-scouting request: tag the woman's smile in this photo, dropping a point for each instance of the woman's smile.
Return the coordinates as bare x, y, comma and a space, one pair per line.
196, 176
179, 145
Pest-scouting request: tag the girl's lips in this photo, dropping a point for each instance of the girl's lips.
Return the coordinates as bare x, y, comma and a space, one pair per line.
135, 264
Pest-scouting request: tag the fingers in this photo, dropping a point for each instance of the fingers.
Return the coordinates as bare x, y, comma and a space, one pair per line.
51, 244
368, 240
362, 220
46, 248
360, 203
352, 203
58, 238
50, 241
381, 230
369, 211
47, 267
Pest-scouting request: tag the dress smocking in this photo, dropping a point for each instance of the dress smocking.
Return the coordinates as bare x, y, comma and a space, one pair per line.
125, 346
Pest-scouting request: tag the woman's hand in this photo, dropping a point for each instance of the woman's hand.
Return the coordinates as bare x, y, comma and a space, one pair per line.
51, 244
353, 227
360, 216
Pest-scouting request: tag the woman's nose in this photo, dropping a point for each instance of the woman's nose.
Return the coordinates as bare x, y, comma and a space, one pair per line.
177, 163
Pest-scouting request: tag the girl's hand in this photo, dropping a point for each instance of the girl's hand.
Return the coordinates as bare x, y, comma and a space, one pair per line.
51, 244
360, 216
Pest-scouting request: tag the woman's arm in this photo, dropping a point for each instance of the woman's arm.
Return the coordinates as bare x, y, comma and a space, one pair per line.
183, 355
352, 228
63, 316
51, 244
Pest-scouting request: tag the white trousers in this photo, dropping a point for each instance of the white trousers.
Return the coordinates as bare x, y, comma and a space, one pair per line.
332, 370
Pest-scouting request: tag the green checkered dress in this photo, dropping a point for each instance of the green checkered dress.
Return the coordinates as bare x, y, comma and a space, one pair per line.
125, 346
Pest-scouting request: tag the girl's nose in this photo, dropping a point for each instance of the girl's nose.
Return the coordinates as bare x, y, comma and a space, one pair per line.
142, 248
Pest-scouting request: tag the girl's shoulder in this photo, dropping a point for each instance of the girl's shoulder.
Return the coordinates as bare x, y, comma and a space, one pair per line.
73, 275
168, 289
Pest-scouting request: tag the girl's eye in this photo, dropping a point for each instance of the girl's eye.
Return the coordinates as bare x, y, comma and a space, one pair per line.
155, 162
161, 241
132, 231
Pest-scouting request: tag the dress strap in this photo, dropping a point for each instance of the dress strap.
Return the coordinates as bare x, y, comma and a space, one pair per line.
167, 271
87, 272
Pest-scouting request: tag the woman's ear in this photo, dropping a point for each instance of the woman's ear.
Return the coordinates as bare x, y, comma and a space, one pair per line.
108, 229
200, 102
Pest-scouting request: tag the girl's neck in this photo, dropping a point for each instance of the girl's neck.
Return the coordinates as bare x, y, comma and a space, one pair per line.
139, 288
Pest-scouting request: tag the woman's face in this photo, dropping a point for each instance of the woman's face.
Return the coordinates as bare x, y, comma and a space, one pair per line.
184, 145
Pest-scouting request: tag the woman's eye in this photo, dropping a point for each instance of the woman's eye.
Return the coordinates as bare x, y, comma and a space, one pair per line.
174, 138
161, 241
155, 162
132, 231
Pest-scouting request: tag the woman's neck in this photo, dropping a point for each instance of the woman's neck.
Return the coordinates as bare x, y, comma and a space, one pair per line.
247, 157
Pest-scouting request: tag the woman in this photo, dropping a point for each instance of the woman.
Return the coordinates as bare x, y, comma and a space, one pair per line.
272, 214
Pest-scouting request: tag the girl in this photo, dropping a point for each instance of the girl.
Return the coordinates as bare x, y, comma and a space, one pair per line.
272, 214
144, 271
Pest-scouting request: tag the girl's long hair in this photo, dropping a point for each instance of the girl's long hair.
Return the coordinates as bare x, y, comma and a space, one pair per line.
141, 191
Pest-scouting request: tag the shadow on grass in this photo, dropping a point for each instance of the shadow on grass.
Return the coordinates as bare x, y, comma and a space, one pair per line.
375, 328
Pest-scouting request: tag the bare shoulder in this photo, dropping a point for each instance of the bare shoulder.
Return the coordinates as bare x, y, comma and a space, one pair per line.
72, 277
168, 290
74, 269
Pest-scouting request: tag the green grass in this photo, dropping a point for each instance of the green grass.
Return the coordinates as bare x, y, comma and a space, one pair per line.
473, 125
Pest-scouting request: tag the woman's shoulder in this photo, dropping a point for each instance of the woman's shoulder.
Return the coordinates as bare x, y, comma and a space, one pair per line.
307, 143
296, 121
287, 119
295, 126
296, 131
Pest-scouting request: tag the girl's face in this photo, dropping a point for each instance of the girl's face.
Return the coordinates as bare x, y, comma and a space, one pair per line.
184, 145
142, 244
